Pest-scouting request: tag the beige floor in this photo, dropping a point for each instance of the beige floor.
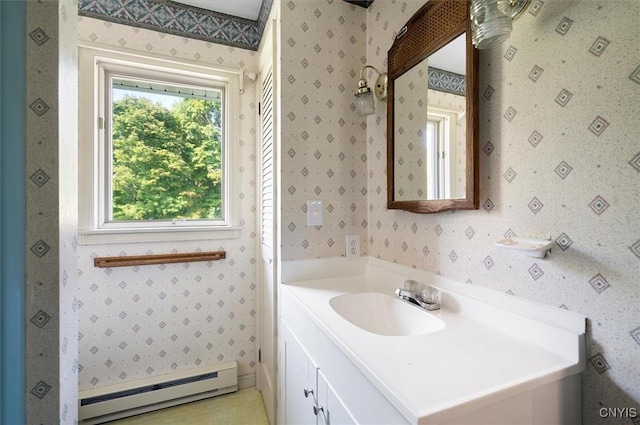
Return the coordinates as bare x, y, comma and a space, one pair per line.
244, 407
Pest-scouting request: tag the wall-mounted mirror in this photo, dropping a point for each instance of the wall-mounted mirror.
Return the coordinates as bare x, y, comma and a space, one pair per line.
432, 112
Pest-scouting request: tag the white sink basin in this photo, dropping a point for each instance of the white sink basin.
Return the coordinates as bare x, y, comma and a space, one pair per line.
384, 315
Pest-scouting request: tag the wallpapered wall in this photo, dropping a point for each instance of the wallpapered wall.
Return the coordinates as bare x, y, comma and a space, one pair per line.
323, 140
410, 114
559, 158
153, 320
51, 180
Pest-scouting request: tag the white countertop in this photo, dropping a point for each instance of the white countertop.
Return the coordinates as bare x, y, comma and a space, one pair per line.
463, 366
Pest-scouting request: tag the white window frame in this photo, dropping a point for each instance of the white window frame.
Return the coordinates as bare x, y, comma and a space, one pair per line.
95, 64
443, 153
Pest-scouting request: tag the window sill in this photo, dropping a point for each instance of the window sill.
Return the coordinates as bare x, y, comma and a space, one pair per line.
118, 236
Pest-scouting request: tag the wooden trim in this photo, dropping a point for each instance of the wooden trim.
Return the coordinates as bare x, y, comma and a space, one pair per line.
145, 260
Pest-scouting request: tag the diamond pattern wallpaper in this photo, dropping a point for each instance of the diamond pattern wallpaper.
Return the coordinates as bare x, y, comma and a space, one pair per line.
559, 158
153, 320
51, 180
559, 152
324, 141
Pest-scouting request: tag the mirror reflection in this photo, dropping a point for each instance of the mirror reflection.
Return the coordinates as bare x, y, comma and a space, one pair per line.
432, 112
430, 126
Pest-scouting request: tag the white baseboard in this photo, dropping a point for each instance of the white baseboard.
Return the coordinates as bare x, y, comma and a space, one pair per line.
246, 381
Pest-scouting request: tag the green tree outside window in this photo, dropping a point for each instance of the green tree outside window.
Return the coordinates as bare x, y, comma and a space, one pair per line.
167, 162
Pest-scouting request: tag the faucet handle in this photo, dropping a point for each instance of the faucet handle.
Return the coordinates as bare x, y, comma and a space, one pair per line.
412, 286
431, 296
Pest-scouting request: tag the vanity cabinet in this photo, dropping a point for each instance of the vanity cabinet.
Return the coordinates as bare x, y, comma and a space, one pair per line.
334, 412
308, 397
342, 395
519, 363
300, 383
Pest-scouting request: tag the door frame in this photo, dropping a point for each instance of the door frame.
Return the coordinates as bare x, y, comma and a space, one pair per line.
269, 59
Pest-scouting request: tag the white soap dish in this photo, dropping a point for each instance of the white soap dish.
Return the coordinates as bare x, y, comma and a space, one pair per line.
531, 247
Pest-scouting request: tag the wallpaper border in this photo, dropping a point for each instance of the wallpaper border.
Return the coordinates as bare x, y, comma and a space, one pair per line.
446, 81
182, 20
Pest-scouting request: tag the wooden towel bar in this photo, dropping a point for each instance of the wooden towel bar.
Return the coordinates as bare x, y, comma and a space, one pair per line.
144, 260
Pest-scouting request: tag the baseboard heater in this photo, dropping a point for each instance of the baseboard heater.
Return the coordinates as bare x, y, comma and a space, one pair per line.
120, 401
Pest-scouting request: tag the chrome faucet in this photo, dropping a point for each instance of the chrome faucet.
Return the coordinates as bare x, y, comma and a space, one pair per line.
429, 301
408, 296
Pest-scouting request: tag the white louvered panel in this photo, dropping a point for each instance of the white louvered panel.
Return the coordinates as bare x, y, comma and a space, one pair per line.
267, 106
266, 208
267, 160
268, 140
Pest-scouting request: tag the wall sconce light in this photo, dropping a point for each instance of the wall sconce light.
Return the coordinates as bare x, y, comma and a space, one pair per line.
491, 20
365, 104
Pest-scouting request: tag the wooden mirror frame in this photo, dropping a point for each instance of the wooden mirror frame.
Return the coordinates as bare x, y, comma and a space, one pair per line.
433, 26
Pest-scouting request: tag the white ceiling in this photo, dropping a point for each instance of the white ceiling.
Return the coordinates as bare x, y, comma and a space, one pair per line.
451, 57
248, 9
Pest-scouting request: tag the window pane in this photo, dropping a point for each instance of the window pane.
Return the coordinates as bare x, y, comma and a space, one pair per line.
167, 161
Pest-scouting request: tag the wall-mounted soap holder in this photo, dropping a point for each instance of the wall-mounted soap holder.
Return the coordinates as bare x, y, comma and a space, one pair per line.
532, 247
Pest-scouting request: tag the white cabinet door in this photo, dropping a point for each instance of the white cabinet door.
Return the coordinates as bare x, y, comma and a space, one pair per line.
299, 389
333, 411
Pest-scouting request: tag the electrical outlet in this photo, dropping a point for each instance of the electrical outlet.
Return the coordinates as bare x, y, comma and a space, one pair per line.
353, 246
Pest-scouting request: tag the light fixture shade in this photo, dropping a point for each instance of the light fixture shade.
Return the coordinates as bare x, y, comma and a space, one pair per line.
490, 22
365, 104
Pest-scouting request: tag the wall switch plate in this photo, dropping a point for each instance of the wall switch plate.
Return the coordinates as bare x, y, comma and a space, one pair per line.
314, 213
353, 246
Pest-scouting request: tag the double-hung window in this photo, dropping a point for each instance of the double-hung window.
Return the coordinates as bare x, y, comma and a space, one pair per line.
156, 149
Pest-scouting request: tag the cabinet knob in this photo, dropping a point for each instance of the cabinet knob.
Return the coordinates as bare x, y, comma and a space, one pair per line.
307, 392
317, 409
